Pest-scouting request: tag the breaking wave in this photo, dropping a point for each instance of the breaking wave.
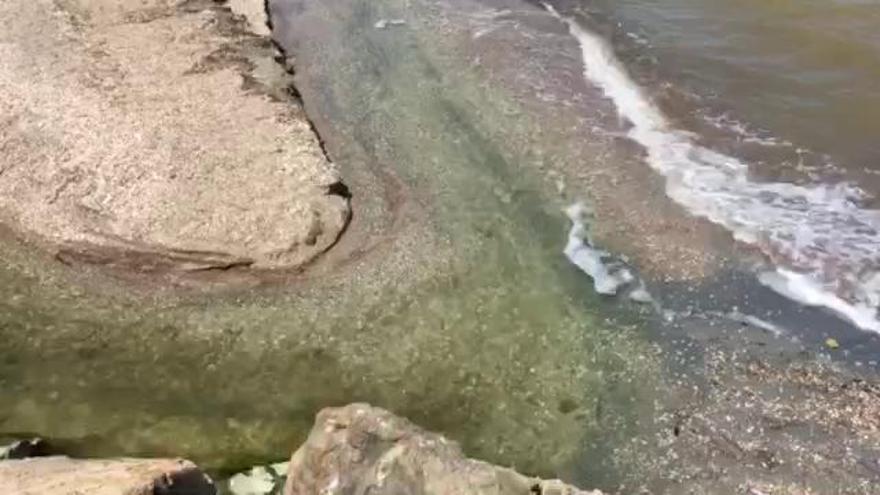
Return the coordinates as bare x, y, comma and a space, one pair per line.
824, 244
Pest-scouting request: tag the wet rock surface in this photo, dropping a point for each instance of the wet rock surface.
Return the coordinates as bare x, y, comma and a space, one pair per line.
363, 449
158, 136
64, 476
22, 449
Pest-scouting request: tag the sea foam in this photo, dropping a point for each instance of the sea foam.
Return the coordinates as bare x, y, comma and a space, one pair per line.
824, 244
608, 274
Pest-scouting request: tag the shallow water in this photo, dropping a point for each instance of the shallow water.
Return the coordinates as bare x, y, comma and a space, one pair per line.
466, 318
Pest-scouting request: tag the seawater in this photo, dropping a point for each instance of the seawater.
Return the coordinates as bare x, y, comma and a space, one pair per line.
821, 236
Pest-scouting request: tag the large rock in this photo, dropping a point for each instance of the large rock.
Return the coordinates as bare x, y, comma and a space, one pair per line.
363, 449
158, 135
64, 476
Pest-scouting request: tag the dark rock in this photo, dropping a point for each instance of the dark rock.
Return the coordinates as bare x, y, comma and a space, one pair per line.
35, 447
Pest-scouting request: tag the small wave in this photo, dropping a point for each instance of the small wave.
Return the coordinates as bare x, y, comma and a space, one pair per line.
744, 132
608, 275
756, 322
818, 236
803, 288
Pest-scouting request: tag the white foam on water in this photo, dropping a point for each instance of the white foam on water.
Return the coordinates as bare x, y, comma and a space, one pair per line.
608, 275
756, 322
258, 481
804, 289
744, 131
641, 295
825, 245
385, 23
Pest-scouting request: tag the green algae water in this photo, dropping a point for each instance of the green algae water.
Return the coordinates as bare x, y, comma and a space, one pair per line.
466, 319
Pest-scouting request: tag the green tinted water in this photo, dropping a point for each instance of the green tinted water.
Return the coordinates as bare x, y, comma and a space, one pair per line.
470, 322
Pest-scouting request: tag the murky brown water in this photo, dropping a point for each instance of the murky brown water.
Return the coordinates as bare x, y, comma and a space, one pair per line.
804, 72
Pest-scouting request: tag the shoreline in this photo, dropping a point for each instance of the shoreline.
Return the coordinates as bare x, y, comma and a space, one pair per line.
447, 299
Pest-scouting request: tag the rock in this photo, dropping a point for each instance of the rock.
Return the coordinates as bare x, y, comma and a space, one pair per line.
65, 476
141, 135
255, 13
363, 449
35, 447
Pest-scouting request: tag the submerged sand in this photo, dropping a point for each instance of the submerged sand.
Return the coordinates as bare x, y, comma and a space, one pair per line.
460, 311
